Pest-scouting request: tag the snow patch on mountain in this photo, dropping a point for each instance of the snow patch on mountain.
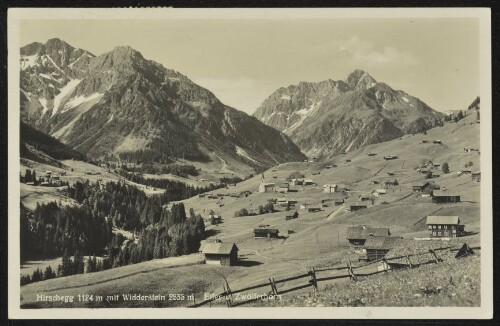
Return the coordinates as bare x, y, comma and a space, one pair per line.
286, 97
28, 61
43, 102
55, 65
304, 113
241, 152
77, 101
405, 99
65, 91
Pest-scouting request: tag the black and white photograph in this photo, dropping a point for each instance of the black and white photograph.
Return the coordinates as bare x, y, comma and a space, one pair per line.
228, 161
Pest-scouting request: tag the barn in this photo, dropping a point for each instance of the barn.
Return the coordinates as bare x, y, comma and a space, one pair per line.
419, 187
444, 197
220, 253
358, 206
267, 187
444, 226
365, 197
313, 209
283, 187
265, 233
377, 247
357, 235
380, 191
291, 215
330, 188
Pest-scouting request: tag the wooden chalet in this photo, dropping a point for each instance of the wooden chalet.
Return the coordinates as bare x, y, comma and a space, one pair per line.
380, 191
330, 188
267, 187
419, 187
283, 187
377, 247
220, 253
444, 226
357, 235
444, 197
365, 197
354, 207
313, 209
265, 233
291, 215
339, 202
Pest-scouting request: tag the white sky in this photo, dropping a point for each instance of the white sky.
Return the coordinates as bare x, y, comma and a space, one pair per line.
243, 61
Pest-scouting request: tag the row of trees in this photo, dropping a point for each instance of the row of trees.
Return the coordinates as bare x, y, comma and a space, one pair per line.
174, 190
262, 209
68, 266
53, 229
182, 170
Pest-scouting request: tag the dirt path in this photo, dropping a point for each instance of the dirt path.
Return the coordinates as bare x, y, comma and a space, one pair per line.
335, 213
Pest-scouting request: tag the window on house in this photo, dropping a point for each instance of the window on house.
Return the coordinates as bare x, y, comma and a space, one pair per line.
445, 227
434, 233
439, 233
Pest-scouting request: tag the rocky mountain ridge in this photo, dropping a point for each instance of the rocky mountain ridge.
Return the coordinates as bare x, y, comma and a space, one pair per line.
329, 117
121, 104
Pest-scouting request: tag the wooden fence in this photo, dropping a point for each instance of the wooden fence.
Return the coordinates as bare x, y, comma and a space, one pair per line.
314, 276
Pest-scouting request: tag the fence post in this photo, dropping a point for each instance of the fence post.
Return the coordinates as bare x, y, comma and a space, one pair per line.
313, 280
409, 261
273, 286
435, 255
350, 271
228, 295
384, 263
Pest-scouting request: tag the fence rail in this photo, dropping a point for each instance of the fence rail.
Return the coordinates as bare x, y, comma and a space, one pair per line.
312, 274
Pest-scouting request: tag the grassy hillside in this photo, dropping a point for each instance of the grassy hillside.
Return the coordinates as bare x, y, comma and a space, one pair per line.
319, 238
448, 284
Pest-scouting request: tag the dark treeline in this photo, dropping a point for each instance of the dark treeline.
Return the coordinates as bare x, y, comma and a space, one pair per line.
126, 206
52, 229
47, 144
175, 190
175, 235
230, 180
474, 103
182, 170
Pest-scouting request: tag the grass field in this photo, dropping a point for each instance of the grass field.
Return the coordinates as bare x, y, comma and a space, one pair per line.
319, 238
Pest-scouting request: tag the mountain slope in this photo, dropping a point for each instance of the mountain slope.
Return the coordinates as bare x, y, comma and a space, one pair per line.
328, 117
40, 147
121, 104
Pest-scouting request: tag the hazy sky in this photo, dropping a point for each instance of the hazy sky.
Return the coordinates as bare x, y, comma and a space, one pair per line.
243, 61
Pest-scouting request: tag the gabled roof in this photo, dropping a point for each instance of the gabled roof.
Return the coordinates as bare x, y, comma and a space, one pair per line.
291, 213
284, 185
267, 184
441, 193
381, 190
362, 232
222, 248
380, 242
264, 230
433, 219
359, 203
